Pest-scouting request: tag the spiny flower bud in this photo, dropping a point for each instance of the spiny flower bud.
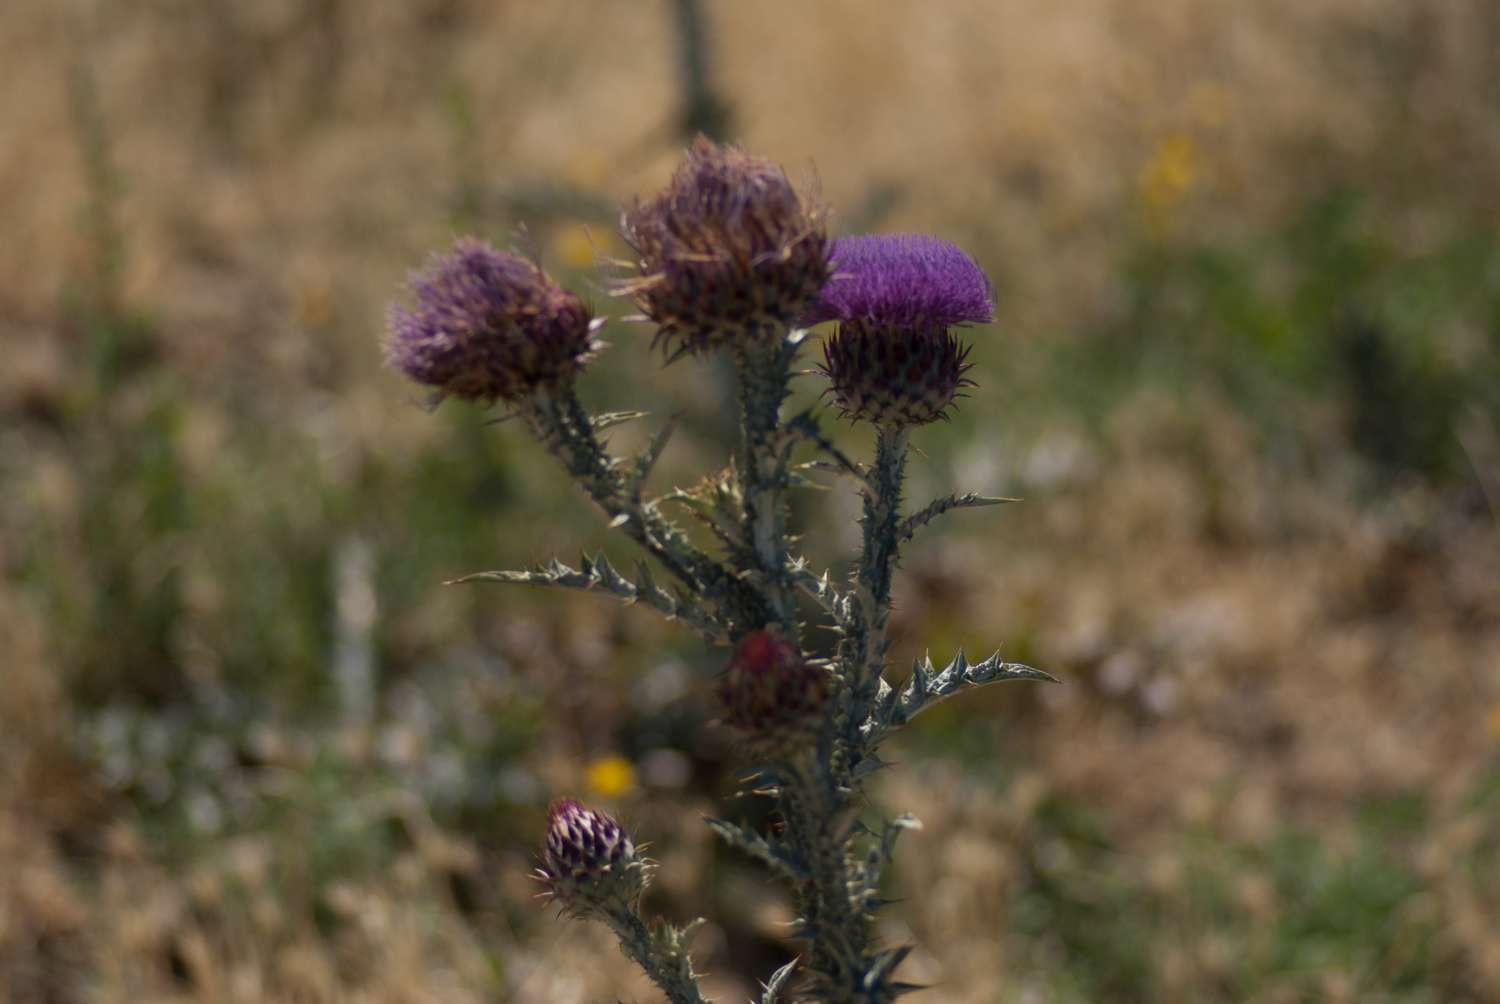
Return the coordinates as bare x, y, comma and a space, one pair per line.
894, 376
488, 325
893, 361
588, 860
771, 694
726, 252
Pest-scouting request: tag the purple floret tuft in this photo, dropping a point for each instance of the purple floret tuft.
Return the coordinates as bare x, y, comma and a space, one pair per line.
903, 280
728, 253
488, 325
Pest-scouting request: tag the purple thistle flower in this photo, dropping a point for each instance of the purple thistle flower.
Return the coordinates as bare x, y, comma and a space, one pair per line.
893, 361
903, 280
588, 859
488, 325
727, 252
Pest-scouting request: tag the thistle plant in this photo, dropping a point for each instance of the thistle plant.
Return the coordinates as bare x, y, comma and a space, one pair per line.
731, 259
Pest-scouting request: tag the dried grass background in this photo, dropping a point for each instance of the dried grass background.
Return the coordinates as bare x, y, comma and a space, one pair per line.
1254, 660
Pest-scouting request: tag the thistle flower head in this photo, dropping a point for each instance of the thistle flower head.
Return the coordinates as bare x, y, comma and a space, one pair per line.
588, 860
771, 694
894, 361
488, 325
728, 251
908, 280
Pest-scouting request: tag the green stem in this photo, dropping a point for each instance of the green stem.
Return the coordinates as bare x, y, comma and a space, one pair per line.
764, 372
562, 424
835, 933
882, 517
560, 421
665, 960
865, 661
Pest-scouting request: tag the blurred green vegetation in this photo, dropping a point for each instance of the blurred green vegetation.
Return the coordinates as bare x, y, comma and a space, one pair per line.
1333, 333
1291, 913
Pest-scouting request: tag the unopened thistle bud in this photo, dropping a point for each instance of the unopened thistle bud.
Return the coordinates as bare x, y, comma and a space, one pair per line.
727, 252
894, 360
488, 325
771, 694
588, 861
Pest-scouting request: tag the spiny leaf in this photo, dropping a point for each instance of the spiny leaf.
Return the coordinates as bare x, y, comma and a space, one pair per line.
880, 854
778, 982
867, 766
609, 419
893, 708
937, 507
597, 573
914, 693
796, 479
645, 582
716, 504
648, 458
885, 963
755, 845
804, 426
819, 587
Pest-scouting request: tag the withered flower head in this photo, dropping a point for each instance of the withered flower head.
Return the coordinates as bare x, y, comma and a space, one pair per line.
893, 361
771, 694
488, 325
588, 860
728, 251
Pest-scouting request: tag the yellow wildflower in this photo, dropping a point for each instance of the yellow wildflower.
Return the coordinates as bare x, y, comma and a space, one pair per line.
611, 776
1170, 173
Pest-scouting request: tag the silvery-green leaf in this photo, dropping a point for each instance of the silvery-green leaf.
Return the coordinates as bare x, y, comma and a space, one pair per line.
937, 507
609, 419
745, 839
778, 982
927, 687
